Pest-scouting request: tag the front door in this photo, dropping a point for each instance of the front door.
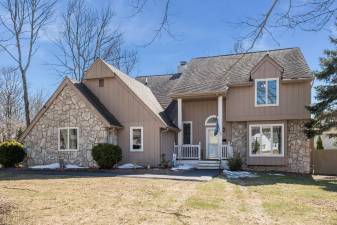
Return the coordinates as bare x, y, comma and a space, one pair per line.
211, 144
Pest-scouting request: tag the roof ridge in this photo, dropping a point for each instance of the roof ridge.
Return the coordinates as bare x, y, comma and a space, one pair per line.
157, 75
252, 52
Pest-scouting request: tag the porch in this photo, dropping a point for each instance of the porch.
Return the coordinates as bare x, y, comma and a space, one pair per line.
193, 152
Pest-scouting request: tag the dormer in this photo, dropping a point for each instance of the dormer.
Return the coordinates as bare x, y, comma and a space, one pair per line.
266, 75
266, 68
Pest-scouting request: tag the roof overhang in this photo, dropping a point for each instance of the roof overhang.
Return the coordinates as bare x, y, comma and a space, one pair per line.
194, 95
295, 80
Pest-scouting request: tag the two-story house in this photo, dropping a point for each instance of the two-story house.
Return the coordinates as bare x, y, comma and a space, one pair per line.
253, 103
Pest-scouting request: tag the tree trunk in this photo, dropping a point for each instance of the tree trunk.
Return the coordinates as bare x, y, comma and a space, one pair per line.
25, 97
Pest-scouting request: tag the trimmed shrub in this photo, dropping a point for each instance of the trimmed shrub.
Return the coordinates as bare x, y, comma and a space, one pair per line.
235, 163
11, 153
106, 155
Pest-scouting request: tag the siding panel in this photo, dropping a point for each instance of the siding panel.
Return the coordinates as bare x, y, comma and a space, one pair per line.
294, 96
130, 111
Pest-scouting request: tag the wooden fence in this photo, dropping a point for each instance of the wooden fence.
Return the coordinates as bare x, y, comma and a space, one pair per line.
325, 162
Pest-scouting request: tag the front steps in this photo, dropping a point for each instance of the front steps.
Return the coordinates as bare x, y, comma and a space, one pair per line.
211, 164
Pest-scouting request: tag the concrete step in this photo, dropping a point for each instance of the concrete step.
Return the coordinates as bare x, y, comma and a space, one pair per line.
214, 164
207, 168
211, 165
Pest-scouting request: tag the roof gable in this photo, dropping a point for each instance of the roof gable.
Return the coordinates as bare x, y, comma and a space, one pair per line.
266, 65
98, 70
92, 102
142, 92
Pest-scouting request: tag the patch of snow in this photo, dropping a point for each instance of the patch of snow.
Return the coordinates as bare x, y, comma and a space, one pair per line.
238, 174
52, 166
276, 174
182, 167
129, 166
72, 166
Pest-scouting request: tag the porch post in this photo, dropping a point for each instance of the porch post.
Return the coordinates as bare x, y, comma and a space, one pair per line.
180, 122
220, 118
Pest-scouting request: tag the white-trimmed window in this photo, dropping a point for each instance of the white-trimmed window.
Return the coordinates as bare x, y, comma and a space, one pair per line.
211, 120
136, 139
68, 139
187, 132
267, 92
266, 140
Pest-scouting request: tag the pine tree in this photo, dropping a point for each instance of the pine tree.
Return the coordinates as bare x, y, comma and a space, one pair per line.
324, 112
319, 143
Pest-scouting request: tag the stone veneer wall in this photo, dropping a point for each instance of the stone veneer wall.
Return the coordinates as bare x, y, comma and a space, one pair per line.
67, 110
299, 148
239, 139
298, 153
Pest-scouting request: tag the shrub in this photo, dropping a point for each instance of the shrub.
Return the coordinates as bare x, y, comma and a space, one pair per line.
106, 155
235, 163
163, 162
319, 143
11, 153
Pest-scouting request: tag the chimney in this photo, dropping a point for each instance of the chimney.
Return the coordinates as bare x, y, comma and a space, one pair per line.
181, 66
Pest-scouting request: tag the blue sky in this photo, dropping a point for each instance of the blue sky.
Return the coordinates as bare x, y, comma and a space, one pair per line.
201, 28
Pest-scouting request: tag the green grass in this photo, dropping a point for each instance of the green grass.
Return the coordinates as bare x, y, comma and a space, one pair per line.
104, 200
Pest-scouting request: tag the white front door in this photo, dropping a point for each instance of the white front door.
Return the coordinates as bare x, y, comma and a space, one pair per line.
211, 144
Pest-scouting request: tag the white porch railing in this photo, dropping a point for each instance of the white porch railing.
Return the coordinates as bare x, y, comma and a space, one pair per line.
226, 151
194, 151
188, 151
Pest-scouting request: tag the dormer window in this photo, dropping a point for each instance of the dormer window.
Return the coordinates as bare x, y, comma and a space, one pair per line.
267, 92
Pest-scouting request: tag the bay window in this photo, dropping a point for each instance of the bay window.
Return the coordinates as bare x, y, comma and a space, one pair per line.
266, 92
266, 140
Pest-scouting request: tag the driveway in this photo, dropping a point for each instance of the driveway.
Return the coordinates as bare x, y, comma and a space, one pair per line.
188, 175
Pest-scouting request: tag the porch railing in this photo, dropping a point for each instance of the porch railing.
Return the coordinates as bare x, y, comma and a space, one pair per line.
188, 151
226, 151
194, 151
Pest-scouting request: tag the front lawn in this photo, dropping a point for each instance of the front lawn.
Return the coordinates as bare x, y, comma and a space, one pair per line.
34, 199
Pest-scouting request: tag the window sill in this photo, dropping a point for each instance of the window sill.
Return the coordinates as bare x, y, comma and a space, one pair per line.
138, 150
261, 156
267, 105
68, 150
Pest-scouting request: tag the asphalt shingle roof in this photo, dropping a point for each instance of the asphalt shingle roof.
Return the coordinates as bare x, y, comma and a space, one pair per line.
215, 73
161, 86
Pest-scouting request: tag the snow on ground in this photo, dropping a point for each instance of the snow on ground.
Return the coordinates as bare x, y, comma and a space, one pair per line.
72, 166
54, 166
129, 166
276, 174
182, 167
238, 174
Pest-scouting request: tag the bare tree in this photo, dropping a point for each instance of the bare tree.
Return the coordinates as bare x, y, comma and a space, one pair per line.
37, 100
87, 35
311, 15
10, 103
21, 23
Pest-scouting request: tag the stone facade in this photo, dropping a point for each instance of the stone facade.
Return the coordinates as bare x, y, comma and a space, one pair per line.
299, 148
67, 110
239, 139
